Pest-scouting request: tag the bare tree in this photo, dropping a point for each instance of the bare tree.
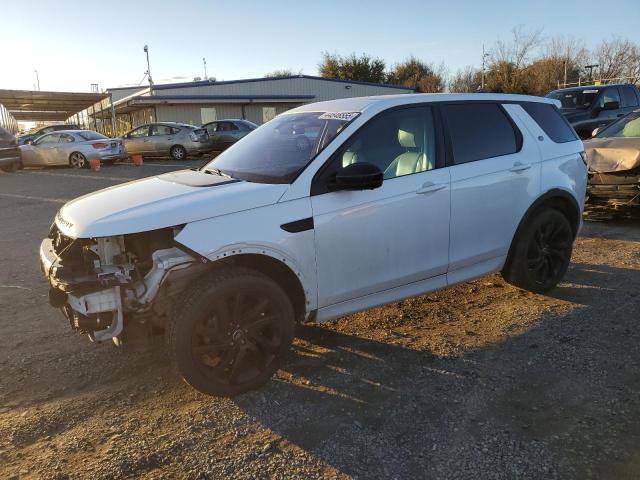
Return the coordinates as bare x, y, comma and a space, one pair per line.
618, 58
465, 80
507, 60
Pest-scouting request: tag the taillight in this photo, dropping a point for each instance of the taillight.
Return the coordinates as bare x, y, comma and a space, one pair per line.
100, 145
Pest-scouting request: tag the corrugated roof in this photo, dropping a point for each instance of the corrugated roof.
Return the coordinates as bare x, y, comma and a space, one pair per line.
47, 106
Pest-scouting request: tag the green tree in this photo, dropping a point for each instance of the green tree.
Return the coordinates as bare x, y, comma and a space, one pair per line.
363, 68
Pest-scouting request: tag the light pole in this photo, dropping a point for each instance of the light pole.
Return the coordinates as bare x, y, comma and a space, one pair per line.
590, 68
37, 79
148, 72
204, 61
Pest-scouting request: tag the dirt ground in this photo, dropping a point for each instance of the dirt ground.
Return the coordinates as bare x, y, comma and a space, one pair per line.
478, 381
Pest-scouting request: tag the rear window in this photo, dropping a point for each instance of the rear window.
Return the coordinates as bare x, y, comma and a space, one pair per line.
629, 96
91, 135
479, 131
550, 121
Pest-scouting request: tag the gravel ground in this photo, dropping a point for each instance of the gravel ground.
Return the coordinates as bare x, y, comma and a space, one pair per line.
478, 381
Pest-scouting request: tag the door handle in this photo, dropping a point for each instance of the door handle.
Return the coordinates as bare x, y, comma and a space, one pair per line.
429, 187
620, 115
520, 167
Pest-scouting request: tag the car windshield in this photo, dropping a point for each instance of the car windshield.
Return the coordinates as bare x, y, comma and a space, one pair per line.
628, 126
575, 99
280, 149
91, 135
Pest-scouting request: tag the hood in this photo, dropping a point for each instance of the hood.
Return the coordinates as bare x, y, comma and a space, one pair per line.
162, 201
605, 155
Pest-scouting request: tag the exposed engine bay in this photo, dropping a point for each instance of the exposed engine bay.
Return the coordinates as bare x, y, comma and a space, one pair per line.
102, 283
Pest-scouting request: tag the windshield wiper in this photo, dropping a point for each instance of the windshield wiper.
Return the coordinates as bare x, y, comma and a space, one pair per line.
217, 171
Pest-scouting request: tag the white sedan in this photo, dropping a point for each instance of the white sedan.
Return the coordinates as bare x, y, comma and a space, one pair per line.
72, 147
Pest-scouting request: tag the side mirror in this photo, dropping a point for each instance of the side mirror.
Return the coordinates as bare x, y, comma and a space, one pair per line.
611, 106
357, 176
595, 131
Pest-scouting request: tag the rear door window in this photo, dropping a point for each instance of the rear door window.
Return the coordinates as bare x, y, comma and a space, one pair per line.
629, 97
157, 130
609, 95
480, 130
550, 121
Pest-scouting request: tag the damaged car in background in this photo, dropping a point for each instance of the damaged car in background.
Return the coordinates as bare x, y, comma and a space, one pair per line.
613, 159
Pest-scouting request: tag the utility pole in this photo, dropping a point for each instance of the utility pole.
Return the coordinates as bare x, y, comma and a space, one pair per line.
148, 72
590, 68
37, 79
484, 57
204, 61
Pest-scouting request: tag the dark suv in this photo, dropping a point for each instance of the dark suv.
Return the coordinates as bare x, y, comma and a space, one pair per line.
596, 106
32, 135
9, 152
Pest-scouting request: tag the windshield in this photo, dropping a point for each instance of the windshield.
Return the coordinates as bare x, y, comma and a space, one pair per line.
92, 135
280, 149
628, 126
575, 99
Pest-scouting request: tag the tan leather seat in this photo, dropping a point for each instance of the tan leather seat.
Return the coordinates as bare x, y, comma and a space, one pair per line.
411, 137
351, 155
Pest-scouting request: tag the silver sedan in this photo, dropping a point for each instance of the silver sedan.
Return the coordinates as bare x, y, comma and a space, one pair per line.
72, 147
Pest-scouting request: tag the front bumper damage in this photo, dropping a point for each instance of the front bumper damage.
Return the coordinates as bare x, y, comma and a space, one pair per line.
100, 292
615, 189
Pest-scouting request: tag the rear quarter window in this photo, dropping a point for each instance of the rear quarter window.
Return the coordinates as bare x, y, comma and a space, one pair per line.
550, 121
479, 131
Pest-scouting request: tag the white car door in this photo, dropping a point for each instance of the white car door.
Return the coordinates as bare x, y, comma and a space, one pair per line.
495, 177
369, 241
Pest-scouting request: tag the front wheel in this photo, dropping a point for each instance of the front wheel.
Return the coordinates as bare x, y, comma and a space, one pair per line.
542, 252
77, 160
12, 167
230, 334
178, 152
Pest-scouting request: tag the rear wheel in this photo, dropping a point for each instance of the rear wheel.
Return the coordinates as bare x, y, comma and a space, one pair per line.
77, 160
542, 252
230, 335
178, 152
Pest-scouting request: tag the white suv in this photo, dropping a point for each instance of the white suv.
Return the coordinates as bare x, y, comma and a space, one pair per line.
328, 209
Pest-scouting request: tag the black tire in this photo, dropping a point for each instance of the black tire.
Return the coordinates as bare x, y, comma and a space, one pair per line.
230, 335
178, 152
541, 253
12, 167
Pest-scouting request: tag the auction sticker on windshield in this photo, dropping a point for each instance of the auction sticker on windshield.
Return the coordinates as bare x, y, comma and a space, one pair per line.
344, 116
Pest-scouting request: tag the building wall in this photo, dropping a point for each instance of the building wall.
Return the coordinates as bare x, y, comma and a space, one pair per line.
193, 114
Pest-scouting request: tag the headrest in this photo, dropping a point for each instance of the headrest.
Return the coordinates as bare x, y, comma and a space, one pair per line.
409, 134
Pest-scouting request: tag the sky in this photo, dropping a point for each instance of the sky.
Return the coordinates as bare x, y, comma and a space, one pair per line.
73, 44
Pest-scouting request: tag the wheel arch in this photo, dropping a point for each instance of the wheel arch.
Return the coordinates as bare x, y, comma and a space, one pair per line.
279, 270
556, 198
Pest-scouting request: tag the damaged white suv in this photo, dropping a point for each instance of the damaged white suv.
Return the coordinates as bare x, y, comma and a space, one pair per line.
328, 209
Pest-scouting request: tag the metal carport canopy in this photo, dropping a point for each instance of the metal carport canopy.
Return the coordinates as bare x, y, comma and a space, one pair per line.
28, 105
